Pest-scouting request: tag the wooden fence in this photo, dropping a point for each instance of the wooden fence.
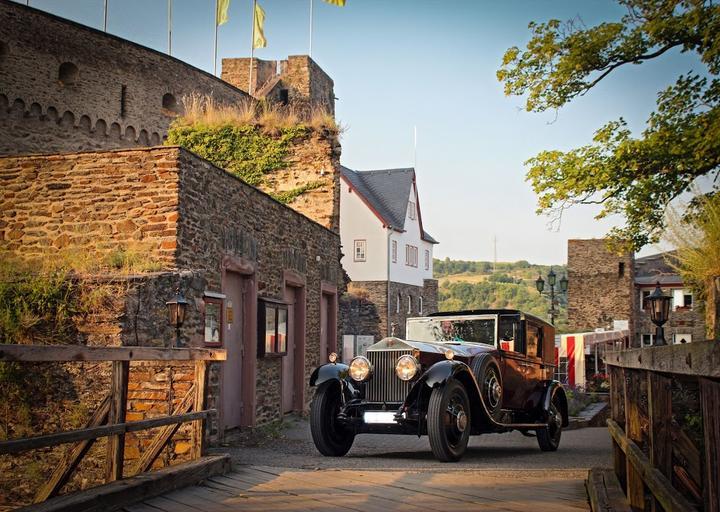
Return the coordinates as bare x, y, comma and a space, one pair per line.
108, 420
659, 465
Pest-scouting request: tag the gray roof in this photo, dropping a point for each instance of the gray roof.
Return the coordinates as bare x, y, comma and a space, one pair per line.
387, 193
656, 268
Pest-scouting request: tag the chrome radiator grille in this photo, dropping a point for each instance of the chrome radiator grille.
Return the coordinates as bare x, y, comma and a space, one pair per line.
385, 385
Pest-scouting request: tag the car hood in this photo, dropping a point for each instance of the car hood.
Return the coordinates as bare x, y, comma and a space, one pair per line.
434, 347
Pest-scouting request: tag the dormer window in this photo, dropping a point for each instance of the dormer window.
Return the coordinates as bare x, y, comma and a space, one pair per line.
411, 210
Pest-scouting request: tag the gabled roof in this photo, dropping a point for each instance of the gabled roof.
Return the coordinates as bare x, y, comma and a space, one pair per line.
657, 268
386, 192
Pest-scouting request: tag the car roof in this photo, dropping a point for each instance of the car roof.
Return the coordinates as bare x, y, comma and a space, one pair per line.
488, 312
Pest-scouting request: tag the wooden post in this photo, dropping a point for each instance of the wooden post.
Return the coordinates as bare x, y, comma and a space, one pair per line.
659, 389
198, 426
710, 398
118, 404
633, 430
617, 414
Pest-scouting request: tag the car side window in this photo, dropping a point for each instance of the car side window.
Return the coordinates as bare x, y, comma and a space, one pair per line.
534, 340
508, 334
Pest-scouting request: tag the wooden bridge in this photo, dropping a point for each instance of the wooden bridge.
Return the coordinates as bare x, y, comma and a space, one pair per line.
658, 464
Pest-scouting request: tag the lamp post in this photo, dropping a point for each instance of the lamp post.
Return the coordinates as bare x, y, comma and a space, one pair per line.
176, 313
659, 312
552, 281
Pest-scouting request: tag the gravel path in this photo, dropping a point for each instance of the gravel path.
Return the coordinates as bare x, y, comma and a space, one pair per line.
579, 449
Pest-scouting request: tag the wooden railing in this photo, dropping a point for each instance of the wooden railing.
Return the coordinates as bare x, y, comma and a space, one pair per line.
658, 464
108, 420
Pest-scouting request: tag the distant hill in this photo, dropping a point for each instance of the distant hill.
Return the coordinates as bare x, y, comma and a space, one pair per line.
473, 284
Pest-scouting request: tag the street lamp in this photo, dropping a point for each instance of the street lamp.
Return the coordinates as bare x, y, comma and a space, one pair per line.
659, 312
552, 281
176, 313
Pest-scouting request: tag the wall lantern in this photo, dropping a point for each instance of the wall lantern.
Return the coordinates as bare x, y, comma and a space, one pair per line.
659, 312
563, 284
176, 313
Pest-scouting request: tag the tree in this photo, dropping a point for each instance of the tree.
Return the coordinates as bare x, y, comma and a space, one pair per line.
633, 176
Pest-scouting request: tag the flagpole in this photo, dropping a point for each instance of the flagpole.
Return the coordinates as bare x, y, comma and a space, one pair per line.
216, 39
170, 26
252, 48
104, 15
415, 146
311, 27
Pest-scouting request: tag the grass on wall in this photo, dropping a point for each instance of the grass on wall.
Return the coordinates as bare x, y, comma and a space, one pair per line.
251, 140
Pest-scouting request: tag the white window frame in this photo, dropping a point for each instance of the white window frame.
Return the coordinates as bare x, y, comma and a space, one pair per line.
678, 336
420, 305
362, 246
409, 309
642, 340
397, 303
394, 251
427, 259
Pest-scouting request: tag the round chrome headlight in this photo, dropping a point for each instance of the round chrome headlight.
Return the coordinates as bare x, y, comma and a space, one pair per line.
360, 368
406, 367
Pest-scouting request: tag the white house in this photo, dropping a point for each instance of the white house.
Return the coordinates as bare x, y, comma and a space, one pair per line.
388, 254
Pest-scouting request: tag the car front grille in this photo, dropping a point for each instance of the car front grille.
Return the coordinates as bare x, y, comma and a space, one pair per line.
385, 385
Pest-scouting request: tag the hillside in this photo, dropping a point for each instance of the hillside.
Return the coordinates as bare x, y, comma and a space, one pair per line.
473, 284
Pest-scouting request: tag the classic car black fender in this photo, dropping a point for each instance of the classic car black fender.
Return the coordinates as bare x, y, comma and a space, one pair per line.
329, 371
437, 375
555, 388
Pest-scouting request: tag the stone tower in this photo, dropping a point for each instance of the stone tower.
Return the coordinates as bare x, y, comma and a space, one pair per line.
600, 286
297, 81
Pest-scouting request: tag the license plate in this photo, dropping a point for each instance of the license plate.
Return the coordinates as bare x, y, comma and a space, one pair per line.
379, 417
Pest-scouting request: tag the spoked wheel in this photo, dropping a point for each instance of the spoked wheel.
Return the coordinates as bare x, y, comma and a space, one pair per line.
330, 437
449, 421
549, 437
488, 377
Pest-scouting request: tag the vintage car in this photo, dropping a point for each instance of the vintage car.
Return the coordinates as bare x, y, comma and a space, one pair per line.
456, 374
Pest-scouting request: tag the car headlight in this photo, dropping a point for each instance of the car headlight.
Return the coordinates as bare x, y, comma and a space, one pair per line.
406, 367
360, 368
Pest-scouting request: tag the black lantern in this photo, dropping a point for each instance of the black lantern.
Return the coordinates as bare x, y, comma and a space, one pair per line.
659, 312
176, 313
540, 284
563, 284
551, 277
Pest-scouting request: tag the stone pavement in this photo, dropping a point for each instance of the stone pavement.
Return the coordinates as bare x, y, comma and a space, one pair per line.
503, 472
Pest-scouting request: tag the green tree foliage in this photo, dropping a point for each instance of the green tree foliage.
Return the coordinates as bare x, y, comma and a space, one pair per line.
628, 175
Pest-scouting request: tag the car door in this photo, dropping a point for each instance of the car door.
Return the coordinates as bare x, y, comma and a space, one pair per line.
511, 346
533, 364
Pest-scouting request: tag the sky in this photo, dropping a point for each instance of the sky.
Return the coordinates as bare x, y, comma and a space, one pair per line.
430, 64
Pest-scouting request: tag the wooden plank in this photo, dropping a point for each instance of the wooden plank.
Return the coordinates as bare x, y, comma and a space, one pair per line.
685, 451
164, 435
635, 488
710, 398
660, 411
198, 427
64, 470
699, 358
604, 491
71, 436
118, 407
617, 413
40, 353
659, 485
122, 493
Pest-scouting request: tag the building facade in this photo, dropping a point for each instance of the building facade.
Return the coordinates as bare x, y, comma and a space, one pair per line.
607, 291
387, 253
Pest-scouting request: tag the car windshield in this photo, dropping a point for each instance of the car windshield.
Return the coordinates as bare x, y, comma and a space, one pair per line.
472, 330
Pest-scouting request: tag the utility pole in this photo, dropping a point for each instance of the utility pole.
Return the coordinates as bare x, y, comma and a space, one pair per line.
494, 253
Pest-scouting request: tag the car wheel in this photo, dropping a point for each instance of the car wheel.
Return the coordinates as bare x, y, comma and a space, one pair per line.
330, 437
549, 436
449, 421
487, 374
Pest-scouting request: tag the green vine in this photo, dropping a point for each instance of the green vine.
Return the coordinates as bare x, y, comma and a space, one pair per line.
288, 196
244, 150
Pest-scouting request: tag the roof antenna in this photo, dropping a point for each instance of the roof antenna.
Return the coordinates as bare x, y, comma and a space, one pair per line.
415, 146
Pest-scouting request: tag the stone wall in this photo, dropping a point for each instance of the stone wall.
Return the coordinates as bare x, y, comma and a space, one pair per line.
307, 86
68, 87
362, 318
90, 202
600, 286
680, 321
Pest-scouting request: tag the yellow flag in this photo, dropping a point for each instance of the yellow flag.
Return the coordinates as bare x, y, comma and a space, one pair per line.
221, 16
259, 40
339, 3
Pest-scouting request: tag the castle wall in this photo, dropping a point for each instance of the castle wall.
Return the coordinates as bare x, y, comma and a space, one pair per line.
598, 292
69, 87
